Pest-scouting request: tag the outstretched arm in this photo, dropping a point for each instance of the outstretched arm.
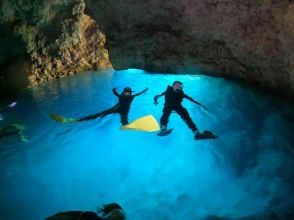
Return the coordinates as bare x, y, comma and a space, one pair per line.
115, 92
156, 98
140, 93
194, 101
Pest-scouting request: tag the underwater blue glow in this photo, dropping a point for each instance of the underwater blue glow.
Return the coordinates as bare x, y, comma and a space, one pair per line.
247, 171
134, 71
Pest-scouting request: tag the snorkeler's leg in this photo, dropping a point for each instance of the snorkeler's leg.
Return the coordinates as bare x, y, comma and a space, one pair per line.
90, 117
100, 114
112, 110
165, 116
186, 118
124, 117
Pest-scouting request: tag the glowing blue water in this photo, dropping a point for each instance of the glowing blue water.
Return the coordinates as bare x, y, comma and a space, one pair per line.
247, 171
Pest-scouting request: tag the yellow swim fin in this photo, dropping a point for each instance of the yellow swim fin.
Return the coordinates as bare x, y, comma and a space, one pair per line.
147, 123
62, 119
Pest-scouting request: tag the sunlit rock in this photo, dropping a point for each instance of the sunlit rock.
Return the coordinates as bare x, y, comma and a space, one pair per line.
52, 39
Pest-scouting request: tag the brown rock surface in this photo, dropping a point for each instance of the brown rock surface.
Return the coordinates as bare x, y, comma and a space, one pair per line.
251, 40
51, 39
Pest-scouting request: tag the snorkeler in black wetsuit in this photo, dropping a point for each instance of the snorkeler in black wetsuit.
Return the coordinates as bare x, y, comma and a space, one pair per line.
174, 96
112, 211
122, 107
13, 130
8, 131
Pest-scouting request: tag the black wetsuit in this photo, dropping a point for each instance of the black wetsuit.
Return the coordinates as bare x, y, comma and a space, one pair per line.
75, 215
88, 215
173, 102
10, 130
122, 107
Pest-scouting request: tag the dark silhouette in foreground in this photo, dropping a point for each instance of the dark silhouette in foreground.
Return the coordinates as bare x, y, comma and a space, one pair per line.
112, 211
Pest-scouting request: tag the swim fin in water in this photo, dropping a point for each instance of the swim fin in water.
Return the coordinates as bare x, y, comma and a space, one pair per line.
62, 119
21, 135
205, 135
164, 132
23, 138
146, 123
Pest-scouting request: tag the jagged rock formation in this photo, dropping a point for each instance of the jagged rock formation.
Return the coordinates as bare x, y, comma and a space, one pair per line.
47, 39
252, 40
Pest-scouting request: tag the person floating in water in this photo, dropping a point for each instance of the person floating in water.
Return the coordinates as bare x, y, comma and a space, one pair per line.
174, 96
123, 106
14, 130
112, 211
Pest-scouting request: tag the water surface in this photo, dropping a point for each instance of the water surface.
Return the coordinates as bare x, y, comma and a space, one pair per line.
247, 171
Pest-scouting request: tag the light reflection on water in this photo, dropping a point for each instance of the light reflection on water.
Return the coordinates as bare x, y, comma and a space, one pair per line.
248, 170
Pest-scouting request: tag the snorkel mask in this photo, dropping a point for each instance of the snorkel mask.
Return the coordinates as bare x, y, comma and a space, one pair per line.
177, 85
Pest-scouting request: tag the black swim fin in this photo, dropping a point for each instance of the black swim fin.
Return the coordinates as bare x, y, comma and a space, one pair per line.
165, 132
205, 135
